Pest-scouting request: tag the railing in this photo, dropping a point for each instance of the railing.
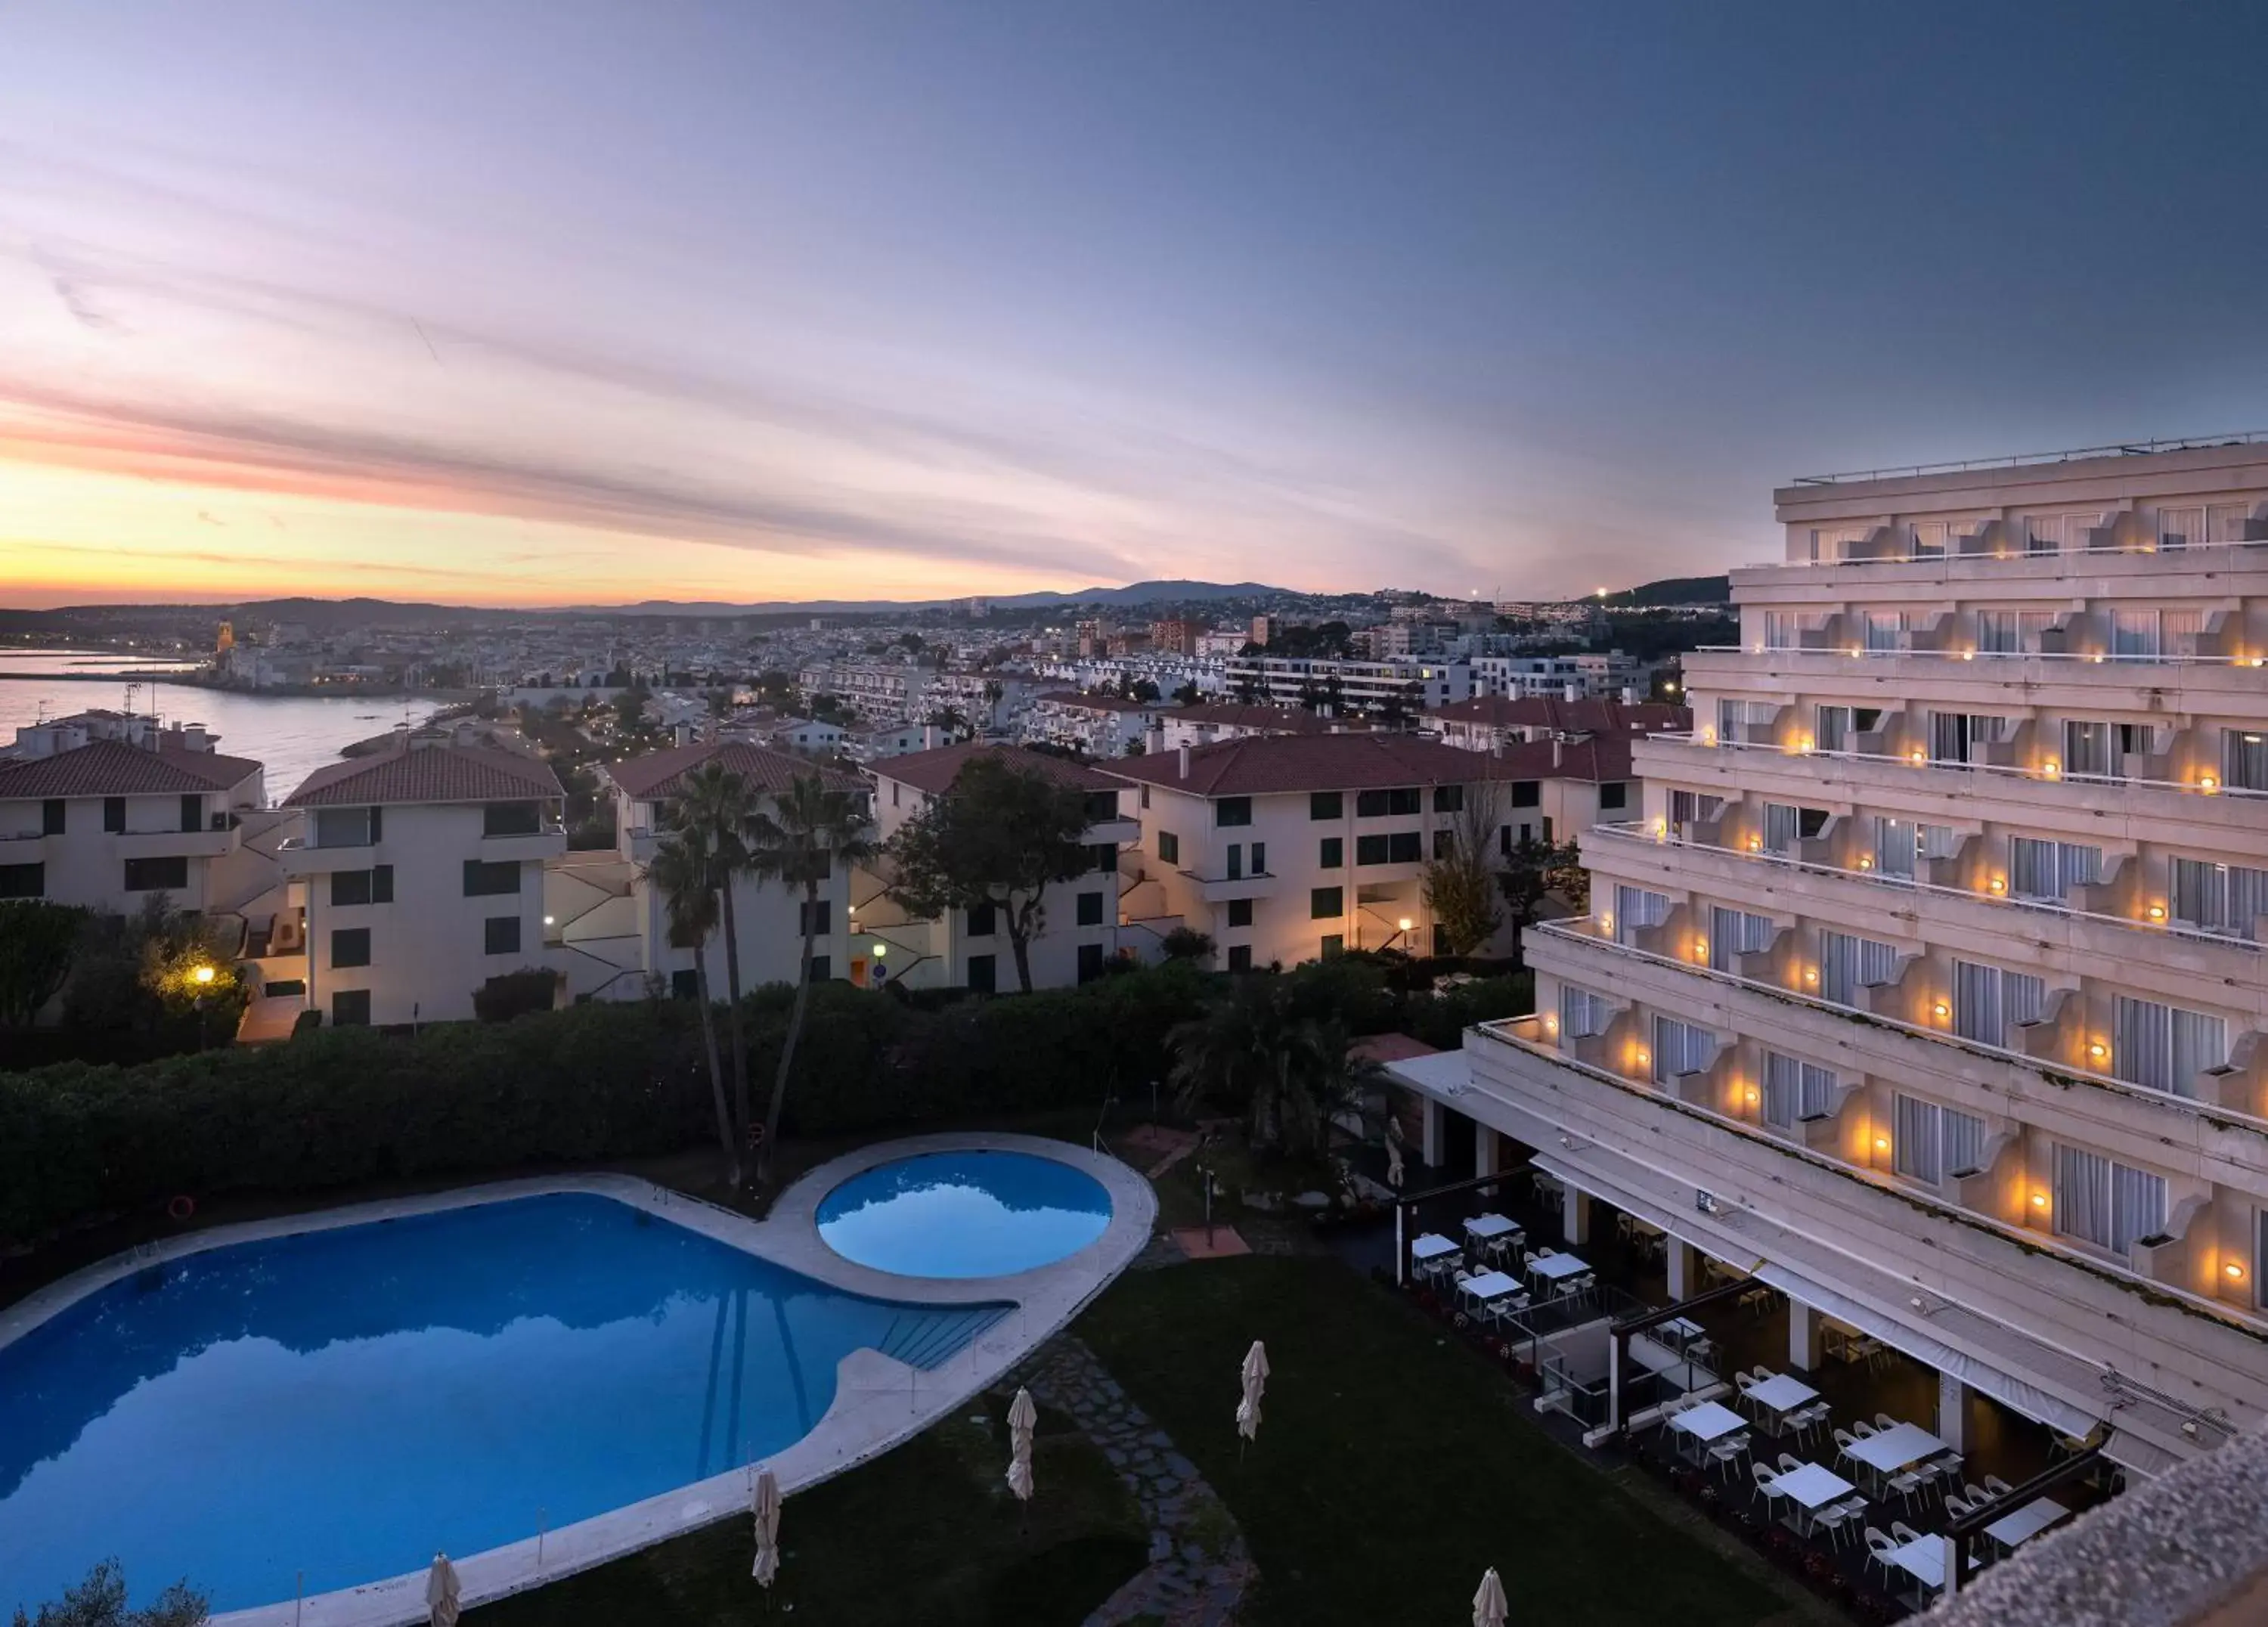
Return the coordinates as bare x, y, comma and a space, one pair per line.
2023, 459
1998, 1053
1632, 832
2041, 1242
2058, 774
2083, 658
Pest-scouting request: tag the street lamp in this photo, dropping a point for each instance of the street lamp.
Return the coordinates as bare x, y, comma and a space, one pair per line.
202, 977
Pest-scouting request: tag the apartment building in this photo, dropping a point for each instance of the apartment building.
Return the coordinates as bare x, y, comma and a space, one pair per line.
609, 924
1928, 985
1211, 721
1100, 726
1090, 919
1286, 848
421, 871
1488, 722
105, 810
1348, 686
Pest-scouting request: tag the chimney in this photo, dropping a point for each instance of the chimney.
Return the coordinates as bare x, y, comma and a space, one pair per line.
932, 736
1496, 746
681, 734
1559, 751
1630, 696
1185, 763
1156, 740
1573, 691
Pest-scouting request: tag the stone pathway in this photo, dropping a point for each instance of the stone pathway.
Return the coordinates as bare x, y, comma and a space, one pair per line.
1199, 1565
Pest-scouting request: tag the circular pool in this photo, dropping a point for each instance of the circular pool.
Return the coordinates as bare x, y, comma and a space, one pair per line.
963, 1214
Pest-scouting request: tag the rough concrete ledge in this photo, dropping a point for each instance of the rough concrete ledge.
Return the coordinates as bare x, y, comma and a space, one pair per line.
2188, 1548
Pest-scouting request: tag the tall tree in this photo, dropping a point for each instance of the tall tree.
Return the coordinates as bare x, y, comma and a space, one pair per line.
1000, 837
38, 942
687, 877
1458, 883
813, 830
1287, 1072
1533, 872
716, 806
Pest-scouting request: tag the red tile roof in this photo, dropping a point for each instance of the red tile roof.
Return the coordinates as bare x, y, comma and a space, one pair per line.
1261, 764
934, 771
423, 772
1265, 719
1564, 717
1105, 702
114, 769
658, 775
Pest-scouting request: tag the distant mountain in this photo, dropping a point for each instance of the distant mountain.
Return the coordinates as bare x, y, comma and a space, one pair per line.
1164, 592
1712, 590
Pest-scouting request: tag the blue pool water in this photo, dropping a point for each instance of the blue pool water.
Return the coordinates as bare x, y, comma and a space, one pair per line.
964, 1214
345, 1403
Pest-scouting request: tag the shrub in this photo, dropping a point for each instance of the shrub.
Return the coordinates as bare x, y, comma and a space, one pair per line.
522, 993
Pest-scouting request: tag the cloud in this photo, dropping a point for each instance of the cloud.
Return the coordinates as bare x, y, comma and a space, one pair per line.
76, 294
207, 517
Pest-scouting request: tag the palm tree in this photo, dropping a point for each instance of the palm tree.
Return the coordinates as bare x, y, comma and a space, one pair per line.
814, 831
716, 803
1290, 1073
686, 875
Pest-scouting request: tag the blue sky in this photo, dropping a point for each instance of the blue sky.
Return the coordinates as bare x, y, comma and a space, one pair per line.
526, 303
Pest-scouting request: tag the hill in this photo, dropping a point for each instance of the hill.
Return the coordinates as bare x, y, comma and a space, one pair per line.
1709, 590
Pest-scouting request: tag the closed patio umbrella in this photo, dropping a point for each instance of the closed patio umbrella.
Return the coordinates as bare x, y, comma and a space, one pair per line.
1489, 1606
1254, 1374
1023, 1418
441, 1588
765, 1499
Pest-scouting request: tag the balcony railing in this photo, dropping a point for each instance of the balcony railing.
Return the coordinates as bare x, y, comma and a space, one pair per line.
1504, 1032
2048, 771
1941, 1036
2026, 460
2076, 658
1631, 831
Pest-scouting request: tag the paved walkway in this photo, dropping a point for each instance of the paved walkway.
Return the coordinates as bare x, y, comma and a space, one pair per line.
1199, 1565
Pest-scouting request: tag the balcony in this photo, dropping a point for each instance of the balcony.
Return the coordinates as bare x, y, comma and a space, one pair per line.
1121, 831
547, 843
167, 844
2086, 681
1222, 889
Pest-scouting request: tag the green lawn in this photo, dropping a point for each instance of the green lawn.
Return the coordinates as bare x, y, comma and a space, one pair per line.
1393, 1467
927, 1534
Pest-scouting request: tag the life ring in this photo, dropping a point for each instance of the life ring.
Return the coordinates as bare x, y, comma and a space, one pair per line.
182, 1207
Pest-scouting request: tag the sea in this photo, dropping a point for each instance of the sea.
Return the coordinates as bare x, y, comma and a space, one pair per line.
294, 735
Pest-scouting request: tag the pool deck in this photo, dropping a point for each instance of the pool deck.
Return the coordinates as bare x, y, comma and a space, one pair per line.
879, 1401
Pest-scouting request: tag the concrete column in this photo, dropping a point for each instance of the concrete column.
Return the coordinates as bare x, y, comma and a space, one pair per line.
1575, 1215
1485, 1151
1952, 1411
1803, 1329
1684, 1270
1436, 1133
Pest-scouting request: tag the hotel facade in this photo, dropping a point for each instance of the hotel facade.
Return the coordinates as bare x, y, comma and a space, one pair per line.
1926, 983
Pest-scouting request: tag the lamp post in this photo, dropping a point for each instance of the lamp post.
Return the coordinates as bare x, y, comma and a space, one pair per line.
202, 977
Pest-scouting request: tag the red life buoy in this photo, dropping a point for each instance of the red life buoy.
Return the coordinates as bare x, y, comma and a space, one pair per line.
182, 1207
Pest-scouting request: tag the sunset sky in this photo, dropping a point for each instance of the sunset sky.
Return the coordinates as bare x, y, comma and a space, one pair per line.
517, 303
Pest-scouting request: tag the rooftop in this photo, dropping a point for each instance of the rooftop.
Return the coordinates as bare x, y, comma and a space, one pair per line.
1262, 764
935, 771
658, 775
427, 770
2023, 460
1264, 719
114, 769
1564, 717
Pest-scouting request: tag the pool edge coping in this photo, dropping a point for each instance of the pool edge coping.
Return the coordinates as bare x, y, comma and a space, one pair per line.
865, 1418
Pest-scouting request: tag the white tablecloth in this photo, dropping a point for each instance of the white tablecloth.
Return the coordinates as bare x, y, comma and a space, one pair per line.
2027, 1522
1923, 1558
1552, 1268
1490, 1285
1490, 1225
1810, 1485
1893, 1449
1433, 1245
1708, 1421
1782, 1391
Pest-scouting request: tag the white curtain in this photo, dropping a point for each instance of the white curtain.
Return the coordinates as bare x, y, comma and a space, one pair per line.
1963, 1142
1783, 1088
2044, 871
1849, 963
1634, 907
2082, 1196
1895, 847
1580, 1012
2142, 1042
1916, 1152
2199, 1042
2244, 760
1679, 1048
1976, 1013
1996, 632
2219, 898
1782, 822
2138, 1206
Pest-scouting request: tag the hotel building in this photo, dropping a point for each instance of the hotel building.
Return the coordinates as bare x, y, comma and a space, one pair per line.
1928, 985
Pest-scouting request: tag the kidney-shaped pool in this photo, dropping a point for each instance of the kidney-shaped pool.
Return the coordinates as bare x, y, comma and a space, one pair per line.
339, 1404
969, 1213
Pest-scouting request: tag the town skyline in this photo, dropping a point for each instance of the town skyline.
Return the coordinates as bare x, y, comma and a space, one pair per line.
791, 306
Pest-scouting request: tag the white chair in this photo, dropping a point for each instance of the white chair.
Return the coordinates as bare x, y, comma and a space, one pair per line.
1832, 1520
1904, 1487
1464, 1281
1997, 1487
1903, 1532
1861, 1428
1957, 1507
1767, 1484
1883, 1420
1977, 1494
1724, 1454
1878, 1545
1844, 1440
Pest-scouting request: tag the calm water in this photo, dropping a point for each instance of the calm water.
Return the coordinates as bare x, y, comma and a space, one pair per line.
349, 1402
964, 1214
293, 735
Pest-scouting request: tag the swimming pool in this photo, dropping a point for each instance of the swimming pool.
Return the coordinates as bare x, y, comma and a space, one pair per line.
344, 1402
969, 1213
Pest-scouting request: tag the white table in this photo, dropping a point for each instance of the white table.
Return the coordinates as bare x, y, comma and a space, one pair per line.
1558, 1267
1433, 1245
1891, 1450
1781, 1393
1810, 1487
2026, 1523
1490, 1285
1924, 1560
1708, 1421
1491, 1225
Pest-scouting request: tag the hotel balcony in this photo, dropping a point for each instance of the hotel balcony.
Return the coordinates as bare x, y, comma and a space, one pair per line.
2094, 683
1905, 1034
2058, 939
1119, 831
1998, 559
168, 843
548, 842
2189, 813
2080, 1331
1222, 889
299, 859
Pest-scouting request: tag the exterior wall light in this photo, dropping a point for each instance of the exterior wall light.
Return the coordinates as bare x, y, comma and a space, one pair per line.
1941, 1010
1550, 1023
1997, 884
2039, 1200
1811, 974
1708, 737
2208, 783
2233, 1272
2051, 768
1750, 1095
882, 950
2157, 912
1969, 655
1882, 1143
1700, 948
1864, 862
1917, 756
2097, 1051
1643, 1055
1606, 924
